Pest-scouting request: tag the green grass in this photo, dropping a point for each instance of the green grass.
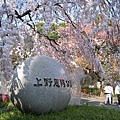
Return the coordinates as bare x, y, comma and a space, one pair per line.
82, 112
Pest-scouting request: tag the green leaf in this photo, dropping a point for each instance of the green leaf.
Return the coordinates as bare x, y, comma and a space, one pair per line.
53, 36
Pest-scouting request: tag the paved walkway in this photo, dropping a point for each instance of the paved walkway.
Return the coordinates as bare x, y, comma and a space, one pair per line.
98, 101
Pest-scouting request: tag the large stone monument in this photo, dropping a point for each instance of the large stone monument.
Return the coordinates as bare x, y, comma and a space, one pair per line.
40, 84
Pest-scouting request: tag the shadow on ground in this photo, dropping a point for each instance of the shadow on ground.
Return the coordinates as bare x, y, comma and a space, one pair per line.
98, 102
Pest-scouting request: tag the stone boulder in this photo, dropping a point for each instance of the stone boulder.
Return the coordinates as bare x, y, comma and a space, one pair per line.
40, 84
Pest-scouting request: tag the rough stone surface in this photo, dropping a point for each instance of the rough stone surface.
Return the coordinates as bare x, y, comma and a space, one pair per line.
76, 76
41, 84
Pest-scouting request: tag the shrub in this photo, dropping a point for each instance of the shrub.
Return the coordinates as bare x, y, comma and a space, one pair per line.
91, 91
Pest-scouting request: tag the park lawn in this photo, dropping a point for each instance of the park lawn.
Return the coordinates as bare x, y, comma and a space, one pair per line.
76, 112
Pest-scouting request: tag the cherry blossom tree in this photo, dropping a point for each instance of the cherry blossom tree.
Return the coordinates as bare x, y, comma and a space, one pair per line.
19, 34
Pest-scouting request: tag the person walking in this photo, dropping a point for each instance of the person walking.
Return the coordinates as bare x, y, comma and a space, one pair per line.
117, 92
108, 90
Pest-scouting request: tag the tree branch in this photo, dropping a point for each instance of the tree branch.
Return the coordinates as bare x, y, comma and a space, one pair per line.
73, 24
